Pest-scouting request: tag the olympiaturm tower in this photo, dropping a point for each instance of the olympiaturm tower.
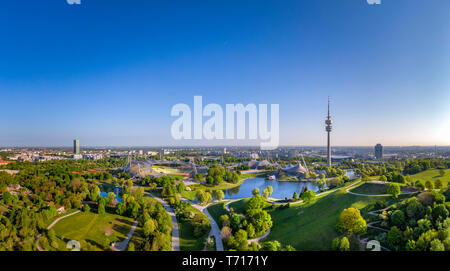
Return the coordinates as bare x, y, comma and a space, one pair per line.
328, 123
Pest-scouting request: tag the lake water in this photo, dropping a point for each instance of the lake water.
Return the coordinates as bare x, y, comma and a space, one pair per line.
104, 194
281, 190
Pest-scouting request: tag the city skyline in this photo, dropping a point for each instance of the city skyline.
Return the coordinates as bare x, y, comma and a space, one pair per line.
108, 82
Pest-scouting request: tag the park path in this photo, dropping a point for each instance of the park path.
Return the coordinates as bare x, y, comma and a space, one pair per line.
175, 228
51, 226
59, 218
122, 246
215, 230
377, 195
256, 240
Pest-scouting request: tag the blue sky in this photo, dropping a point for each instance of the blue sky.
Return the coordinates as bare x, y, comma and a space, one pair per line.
109, 71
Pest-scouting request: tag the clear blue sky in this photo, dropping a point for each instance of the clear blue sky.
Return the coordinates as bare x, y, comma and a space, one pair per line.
109, 71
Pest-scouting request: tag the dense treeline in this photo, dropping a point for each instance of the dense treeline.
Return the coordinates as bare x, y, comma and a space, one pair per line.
31, 196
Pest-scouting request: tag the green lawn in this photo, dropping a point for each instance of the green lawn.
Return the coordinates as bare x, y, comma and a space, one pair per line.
432, 175
217, 210
238, 206
371, 189
93, 230
49, 221
190, 195
188, 242
312, 227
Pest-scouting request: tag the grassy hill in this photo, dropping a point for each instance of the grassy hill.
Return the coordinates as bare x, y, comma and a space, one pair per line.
96, 231
188, 242
432, 175
312, 227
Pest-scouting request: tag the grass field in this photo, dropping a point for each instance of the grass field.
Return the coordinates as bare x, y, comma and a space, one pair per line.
312, 227
190, 195
371, 189
432, 175
217, 210
98, 231
188, 242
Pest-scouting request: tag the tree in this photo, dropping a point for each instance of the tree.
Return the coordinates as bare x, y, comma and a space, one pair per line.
429, 185
110, 197
344, 245
255, 191
235, 222
398, 218
255, 202
382, 178
101, 206
352, 222
225, 233
250, 230
439, 212
203, 197
436, 245
410, 245
335, 244
441, 172
394, 190
295, 196
267, 191
271, 246
218, 194
394, 237
149, 227
181, 187
438, 184
308, 196
86, 208
240, 240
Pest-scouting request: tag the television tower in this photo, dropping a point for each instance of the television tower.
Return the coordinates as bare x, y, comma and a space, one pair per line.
328, 123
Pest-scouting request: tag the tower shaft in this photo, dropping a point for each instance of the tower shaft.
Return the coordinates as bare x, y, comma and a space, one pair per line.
328, 128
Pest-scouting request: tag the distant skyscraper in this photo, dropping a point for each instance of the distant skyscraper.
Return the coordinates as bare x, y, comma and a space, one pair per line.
76, 146
328, 123
378, 151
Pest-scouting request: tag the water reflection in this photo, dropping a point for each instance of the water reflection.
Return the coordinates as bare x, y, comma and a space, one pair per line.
281, 190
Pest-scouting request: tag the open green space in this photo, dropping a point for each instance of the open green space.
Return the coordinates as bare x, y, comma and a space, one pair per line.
217, 210
93, 230
371, 189
432, 175
312, 226
190, 195
188, 241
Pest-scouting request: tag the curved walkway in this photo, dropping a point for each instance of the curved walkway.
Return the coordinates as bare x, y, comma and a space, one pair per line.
122, 246
51, 226
376, 195
215, 230
175, 229
59, 218
260, 238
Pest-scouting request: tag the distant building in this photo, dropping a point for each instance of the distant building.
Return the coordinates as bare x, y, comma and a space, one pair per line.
76, 146
378, 151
